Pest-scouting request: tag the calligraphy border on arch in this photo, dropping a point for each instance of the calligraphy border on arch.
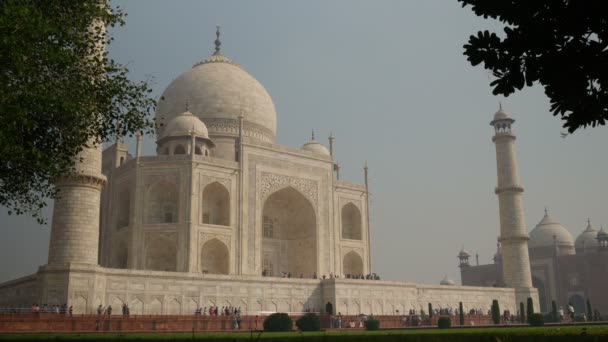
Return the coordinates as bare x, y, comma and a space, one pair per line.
271, 182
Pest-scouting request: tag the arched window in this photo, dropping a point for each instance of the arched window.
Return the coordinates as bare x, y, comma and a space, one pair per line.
268, 227
197, 150
216, 205
215, 258
353, 264
162, 203
206, 153
179, 149
122, 160
351, 222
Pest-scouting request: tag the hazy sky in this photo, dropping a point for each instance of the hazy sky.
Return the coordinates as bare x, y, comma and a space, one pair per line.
389, 79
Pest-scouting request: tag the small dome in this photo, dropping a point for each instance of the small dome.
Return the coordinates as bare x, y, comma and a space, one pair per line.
464, 253
186, 124
602, 234
546, 230
315, 146
447, 281
502, 115
587, 240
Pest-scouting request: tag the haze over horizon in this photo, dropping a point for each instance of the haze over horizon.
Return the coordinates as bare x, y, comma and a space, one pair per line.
388, 78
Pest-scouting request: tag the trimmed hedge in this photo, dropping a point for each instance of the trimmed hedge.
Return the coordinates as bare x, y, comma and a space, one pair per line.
309, 322
536, 320
372, 324
278, 322
444, 323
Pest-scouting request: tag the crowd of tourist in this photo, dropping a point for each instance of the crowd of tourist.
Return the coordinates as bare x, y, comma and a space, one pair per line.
232, 311
370, 276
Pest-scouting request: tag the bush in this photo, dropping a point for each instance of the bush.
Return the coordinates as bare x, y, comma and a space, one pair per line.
536, 320
444, 323
372, 324
529, 308
278, 322
495, 312
309, 322
461, 313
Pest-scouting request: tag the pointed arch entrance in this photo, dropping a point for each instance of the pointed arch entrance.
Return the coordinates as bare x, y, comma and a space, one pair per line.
353, 264
215, 258
289, 240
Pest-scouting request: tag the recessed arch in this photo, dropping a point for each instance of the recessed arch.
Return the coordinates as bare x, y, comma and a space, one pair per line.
351, 222
216, 204
120, 255
542, 298
162, 203
352, 264
215, 257
292, 246
578, 302
161, 254
124, 208
179, 149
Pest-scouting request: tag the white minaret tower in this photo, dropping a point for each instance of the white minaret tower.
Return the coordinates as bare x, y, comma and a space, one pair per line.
513, 237
75, 227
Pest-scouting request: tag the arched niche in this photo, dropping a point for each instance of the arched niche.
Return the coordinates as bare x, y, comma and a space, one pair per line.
292, 246
542, 297
162, 203
120, 255
216, 204
578, 302
352, 264
215, 258
123, 208
179, 149
161, 254
351, 222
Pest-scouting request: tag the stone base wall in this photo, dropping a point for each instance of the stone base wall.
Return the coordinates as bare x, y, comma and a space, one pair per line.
85, 287
352, 297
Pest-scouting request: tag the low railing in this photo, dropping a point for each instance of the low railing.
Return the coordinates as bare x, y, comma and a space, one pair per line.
50, 322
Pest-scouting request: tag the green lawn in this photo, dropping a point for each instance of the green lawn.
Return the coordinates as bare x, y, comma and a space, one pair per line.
561, 333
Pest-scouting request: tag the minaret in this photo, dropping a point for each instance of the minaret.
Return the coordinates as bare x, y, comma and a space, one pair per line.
513, 237
75, 227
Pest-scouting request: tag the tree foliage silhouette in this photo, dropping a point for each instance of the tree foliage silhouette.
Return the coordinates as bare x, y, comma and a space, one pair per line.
560, 44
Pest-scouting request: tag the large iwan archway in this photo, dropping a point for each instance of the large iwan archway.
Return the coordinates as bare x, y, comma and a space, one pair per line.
353, 264
215, 258
289, 239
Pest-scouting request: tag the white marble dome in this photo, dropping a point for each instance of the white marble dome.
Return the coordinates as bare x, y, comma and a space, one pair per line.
543, 234
218, 92
587, 240
447, 281
185, 124
315, 147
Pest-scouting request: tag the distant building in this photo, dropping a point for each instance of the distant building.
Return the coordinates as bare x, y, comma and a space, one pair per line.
563, 269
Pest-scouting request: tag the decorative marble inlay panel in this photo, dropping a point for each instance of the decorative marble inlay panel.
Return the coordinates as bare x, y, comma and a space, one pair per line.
271, 182
204, 237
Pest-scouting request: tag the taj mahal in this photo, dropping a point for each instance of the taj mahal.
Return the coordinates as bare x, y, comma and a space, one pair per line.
224, 216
